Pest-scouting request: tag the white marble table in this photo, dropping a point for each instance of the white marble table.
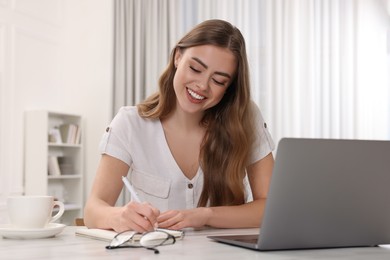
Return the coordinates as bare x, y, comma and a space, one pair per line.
195, 245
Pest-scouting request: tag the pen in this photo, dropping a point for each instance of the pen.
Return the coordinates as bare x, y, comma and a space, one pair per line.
131, 189
134, 194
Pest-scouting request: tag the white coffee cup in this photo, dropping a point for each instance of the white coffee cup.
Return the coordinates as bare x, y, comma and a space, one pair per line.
33, 212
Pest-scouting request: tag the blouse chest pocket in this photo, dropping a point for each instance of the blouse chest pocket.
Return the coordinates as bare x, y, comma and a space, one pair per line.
152, 189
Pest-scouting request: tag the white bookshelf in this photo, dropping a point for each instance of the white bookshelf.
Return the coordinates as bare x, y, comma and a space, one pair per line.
66, 185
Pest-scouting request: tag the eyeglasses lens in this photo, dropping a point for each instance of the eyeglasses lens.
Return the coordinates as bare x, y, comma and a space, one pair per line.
156, 238
122, 238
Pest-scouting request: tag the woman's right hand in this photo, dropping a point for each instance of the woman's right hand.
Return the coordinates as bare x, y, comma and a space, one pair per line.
140, 217
100, 210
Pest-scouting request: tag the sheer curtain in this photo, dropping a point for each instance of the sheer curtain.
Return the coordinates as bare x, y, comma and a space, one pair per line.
318, 68
326, 68
145, 32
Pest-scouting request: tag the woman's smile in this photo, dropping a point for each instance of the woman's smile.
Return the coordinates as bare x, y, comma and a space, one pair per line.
194, 96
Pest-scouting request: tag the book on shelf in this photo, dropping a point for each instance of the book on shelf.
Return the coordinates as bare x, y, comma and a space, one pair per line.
53, 166
66, 165
78, 135
70, 133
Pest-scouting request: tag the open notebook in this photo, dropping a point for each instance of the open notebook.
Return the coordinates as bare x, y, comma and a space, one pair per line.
108, 235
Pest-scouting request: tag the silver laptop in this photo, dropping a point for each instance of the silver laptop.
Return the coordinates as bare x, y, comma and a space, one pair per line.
325, 193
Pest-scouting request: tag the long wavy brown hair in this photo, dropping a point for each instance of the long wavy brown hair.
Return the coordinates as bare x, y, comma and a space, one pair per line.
225, 148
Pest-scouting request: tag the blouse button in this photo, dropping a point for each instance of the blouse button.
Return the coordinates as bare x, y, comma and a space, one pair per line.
190, 185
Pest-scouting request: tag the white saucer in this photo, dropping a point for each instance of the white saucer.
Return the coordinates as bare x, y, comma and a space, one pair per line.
51, 230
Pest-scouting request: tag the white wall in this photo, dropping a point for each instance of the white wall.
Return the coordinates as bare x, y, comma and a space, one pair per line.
55, 55
88, 71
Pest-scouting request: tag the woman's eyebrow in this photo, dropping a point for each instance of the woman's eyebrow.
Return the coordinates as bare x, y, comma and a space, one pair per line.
200, 62
206, 67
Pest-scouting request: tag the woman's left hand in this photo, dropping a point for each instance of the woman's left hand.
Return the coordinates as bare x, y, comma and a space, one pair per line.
179, 219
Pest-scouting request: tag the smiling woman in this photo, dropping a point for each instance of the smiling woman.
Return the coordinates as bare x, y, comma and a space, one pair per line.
200, 133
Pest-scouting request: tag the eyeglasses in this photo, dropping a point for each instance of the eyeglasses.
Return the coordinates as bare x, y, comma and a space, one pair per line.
149, 240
